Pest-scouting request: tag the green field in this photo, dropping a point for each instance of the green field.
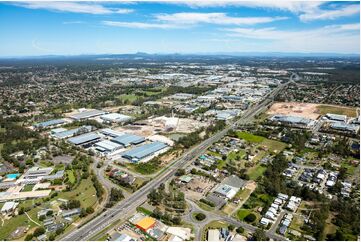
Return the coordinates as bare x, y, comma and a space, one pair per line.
27, 188
242, 213
85, 193
128, 98
71, 176
256, 171
349, 111
144, 211
250, 137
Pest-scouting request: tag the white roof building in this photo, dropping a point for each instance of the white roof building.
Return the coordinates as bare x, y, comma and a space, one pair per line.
9, 207
116, 118
213, 235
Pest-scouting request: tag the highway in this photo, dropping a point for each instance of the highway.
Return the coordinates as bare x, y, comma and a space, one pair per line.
128, 206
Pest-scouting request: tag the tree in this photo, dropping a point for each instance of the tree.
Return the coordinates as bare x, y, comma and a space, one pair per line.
259, 235
200, 216
240, 230
89, 210
39, 231
231, 227
29, 237
250, 218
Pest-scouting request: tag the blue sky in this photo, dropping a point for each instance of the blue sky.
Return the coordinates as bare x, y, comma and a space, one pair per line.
71, 28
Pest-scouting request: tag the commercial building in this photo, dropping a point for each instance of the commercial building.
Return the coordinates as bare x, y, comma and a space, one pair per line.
70, 133
107, 146
336, 117
226, 191
87, 114
49, 123
36, 172
71, 213
110, 132
293, 120
146, 223
144, 151
16, 196
8, 207
128, 139
85, 139
115, 118
345, 127
213, 235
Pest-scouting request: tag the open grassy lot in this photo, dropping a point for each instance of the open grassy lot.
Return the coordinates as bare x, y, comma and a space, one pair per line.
85, 193
273, 145
12, 224
71, 176
128, 98
349, 111
250, 137
256, 171
28, 188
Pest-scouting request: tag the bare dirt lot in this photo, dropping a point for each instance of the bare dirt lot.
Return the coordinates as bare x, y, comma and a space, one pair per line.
310, 110
198, 187
306, 110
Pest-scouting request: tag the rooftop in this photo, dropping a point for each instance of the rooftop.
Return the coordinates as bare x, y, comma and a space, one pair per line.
84, 138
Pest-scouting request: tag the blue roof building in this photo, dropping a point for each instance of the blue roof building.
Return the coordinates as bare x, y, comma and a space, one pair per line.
49, 123
143, 151
84, 139
128, 139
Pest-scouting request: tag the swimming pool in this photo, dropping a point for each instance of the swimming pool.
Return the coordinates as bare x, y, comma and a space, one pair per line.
12, 176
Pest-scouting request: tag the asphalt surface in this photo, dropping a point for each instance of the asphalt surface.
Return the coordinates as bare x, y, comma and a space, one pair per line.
128, 206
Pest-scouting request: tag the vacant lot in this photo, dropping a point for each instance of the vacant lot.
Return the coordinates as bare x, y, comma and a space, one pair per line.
350, 112
306, 110
85, 193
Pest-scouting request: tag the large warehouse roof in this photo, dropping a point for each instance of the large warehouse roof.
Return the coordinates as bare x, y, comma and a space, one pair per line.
115, 117
71, 132
84, 138
110, 132
127, 139
108, 145
143, 151
49, 123
87, 114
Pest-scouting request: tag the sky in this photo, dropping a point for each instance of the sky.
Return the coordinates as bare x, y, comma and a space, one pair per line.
74, 28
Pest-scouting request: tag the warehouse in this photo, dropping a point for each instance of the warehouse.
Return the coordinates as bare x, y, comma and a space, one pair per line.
344, 127
70, 133
115, 118
128, 139
107, 146
49, 124
143, 151
85, 139
111, 133
293, 120
336, 117
87, 114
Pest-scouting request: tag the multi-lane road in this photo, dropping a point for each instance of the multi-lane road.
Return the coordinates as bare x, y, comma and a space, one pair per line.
128, 206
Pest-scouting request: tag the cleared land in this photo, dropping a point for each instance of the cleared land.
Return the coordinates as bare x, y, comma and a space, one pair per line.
309, 110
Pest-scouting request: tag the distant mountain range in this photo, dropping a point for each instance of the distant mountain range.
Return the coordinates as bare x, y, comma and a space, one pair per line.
189, 55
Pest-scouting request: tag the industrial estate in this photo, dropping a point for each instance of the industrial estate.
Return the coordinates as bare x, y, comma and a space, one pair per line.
180, 147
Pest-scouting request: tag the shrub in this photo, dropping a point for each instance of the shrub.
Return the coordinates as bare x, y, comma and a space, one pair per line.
250, 218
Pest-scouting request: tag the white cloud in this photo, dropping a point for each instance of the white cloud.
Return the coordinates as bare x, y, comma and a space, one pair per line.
331, 38
213, 18
306, 10
73, 7
140, 25
319, 14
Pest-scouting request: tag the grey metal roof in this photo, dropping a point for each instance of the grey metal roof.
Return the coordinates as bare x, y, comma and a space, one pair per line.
291, 119
127, 139
71, 132
87, 114
49, 123
84, 138
344, 126
143, 151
